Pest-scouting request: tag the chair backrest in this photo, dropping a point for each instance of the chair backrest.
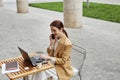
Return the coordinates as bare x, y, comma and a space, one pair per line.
78, 56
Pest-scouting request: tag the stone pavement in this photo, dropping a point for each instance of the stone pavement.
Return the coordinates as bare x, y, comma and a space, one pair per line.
30, 31
98, 1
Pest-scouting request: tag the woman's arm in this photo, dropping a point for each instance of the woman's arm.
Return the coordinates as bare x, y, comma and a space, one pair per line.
50, 51
65, 55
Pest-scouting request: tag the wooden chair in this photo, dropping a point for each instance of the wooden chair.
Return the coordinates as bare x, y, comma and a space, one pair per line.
78, 56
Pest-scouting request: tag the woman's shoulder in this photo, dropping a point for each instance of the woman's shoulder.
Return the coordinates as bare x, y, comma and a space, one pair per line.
65, 41
68, 42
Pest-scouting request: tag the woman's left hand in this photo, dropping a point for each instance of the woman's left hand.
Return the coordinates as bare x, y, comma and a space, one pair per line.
45, 56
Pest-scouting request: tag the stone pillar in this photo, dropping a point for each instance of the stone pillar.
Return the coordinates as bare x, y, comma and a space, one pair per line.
22, 6
73, 13
1, 3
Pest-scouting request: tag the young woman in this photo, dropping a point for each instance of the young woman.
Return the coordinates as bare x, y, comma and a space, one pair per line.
58, 53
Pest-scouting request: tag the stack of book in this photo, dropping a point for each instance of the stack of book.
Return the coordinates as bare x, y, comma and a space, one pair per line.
10, 67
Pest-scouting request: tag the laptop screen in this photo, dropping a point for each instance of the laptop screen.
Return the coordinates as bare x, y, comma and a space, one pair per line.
24, 54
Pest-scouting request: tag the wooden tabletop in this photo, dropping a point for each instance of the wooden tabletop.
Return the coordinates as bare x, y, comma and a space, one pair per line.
22, 65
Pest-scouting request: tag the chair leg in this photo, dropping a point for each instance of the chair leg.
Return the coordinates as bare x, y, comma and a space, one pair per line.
80, 76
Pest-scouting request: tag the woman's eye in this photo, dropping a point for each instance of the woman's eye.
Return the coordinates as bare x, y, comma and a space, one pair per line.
54, 30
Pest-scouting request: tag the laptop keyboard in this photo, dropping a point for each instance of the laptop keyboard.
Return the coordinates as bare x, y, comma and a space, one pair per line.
38, 59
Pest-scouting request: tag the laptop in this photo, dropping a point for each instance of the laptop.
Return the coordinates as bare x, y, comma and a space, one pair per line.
32, 60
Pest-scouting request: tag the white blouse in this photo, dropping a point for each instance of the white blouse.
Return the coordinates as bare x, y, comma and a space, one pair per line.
54, 48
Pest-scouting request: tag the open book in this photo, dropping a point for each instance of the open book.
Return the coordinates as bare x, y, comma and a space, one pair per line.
10, 67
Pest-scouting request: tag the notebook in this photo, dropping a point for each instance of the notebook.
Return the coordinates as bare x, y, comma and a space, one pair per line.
12, 65
32, 60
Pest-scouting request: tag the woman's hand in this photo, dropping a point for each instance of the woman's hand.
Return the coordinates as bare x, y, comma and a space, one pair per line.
46, 57
52, 41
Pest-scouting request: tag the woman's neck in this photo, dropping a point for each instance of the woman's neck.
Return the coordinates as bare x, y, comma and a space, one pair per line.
61, 35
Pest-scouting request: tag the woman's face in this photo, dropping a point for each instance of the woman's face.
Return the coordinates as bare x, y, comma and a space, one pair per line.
55, 31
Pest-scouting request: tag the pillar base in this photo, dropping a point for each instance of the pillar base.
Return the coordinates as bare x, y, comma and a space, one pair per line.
72, 18
22, 6
1, 3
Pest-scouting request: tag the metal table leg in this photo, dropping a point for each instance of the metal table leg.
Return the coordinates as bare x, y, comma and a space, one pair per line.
26, 78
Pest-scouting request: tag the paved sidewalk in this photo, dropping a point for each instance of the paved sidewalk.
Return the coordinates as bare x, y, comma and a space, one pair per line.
30, 31
98, 1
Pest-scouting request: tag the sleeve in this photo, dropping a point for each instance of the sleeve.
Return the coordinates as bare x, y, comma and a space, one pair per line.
53, 60
65, 55
50, 51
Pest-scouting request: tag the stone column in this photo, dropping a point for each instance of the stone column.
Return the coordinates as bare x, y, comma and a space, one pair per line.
73, 13
22, 6
1, 3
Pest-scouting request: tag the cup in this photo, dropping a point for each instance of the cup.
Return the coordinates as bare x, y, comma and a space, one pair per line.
39, 65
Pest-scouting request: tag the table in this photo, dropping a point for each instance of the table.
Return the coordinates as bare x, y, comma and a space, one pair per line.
22, 64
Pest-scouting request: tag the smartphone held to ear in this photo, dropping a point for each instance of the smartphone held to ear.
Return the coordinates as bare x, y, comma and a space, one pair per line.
52, 35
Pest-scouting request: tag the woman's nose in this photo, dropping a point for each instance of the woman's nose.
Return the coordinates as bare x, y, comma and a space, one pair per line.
52, 32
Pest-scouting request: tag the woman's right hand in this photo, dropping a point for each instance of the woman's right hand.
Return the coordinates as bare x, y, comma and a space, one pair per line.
52, 41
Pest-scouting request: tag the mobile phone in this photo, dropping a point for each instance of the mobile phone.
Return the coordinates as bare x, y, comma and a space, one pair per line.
52, 35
